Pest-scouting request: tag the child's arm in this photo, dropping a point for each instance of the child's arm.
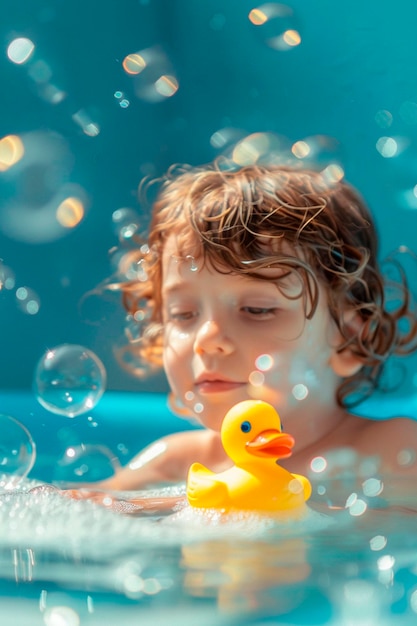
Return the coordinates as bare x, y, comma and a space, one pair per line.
165, 460
145, 506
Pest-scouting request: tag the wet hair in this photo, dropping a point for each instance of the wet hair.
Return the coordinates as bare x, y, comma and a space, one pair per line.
303, 221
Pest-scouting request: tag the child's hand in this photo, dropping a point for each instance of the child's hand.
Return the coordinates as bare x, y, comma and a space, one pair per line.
135, 506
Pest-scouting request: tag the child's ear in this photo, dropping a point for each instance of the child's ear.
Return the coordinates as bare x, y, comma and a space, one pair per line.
344, 362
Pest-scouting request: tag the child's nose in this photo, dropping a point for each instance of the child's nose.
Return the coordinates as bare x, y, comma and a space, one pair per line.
212, 339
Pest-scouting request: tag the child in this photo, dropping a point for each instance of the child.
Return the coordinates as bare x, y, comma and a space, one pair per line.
263, 282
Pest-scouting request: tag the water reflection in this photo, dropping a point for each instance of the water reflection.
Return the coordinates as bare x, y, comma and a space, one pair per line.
242, 577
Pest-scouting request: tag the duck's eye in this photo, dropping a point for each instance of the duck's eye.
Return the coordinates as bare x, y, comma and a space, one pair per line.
245, 427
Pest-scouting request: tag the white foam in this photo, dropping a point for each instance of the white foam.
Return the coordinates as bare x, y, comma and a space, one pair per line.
42, 517
197, 523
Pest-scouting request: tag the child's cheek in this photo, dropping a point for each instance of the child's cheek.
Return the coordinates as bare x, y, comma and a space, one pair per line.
175, 335
287, 381
175, 351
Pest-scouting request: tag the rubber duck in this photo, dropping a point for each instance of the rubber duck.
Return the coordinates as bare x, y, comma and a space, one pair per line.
252, 437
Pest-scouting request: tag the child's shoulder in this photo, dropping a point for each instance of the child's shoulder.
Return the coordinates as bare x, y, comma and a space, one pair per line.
393, 440
202, 445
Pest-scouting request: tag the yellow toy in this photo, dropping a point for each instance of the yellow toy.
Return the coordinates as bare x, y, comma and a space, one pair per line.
252, 437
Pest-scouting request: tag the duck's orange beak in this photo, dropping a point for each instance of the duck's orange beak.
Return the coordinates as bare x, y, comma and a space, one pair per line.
271, 443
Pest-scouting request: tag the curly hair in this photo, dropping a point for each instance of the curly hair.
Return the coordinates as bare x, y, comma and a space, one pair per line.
241, 219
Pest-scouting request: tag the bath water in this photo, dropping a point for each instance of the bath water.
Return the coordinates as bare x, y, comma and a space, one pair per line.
350, 558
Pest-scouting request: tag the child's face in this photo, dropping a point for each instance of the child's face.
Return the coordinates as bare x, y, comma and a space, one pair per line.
229, 337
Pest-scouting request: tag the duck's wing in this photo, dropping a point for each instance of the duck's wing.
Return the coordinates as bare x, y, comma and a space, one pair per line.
204, 489
305, 484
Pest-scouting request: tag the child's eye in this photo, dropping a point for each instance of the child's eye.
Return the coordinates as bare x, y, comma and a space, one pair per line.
182, 316
258, 311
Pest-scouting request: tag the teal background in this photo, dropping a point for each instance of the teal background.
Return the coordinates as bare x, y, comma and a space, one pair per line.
356, 58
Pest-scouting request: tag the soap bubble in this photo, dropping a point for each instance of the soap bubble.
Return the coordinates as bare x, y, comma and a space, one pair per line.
86, 122
28, 300
17, 451
44, 490
40, 202
125, 223
7, 277
20, 50
63, 615
259, 148
69, 380
387, 147
277, 24
153, 75
86, 463
323, 149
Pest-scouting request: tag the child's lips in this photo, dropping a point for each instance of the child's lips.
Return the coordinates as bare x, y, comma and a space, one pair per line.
217, 385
